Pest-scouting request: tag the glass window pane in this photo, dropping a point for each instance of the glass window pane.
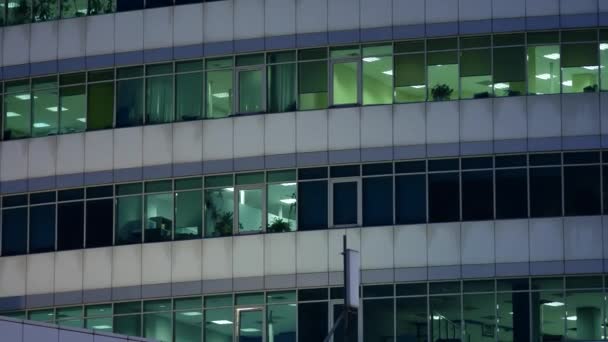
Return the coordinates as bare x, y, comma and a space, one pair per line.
129, 325
17, 115
477, 196
445, 318
70, 226
20, 12
545, 192
128, 220
584, 317
604, 64
14, 231
312, 321
129, 5
188, 326
250, 210
510, 71
100, 106
410, 79
312, 206
42, 228
250, 91
218, 94
345, 83
377, 80
412, 319
159, 217
44, 315
74, 8
219, 212
579, 68
377, 201
219, 325
72, 107
543, 70
513, 316
479, 317
99, 225
345, 200
281, 322
45, 10
582, 190
511, 193
45, 112
442, 75
410, 199
550, 325
378, 320
312, 85
282, 207
188, 96
476, 74
188, 215
281, 88
157, 326
129, 102
159, 99
444, 197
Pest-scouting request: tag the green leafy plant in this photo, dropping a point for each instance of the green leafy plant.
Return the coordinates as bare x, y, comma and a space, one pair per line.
279, 225
441, 92
590, 88
101, 6
223, 224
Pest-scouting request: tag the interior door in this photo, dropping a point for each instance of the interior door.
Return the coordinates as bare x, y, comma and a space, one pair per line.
250, 325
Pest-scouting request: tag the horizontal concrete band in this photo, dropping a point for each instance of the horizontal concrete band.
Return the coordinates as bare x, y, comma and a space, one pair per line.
302, 280
305, 40
305, 159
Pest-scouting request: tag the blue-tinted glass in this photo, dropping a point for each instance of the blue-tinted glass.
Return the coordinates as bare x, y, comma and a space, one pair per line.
444, 199
581, 158
13, 201
345, 203
377, 169
129, 5
477, 195
345, 171
410, 167
100, 191
312, 321
42, 228
129, 102
99, 223
510, 161
72, 194
378, 201
128, 220
312, 205
14, 231
158, 3
312, 173
582, 190
545, 192
42, 197
477, 163
312, 294
545, 159
511, 193
443, 165
70, 226
410, 199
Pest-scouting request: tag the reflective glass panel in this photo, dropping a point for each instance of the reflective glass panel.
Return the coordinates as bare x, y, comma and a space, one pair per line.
584, 315
377, 201
410, 199
45, 10
549, 324
476, 73
412, 319
377, 80
580, 68
442, 75
128, 325
513, 316
509, 71
157, 326
159, 217
345, 83
218, 94
444, 318
100, 106
281, 88
219, 325
129, 102
188, 214
99, 223
582, 190
444, 197
159, 99
128, 220
378, 320
219, 211
312, 206
543, 70
188, 96
250, 91
545, 192
477, 195
604, 64
312, 321
345, 203
42, 228
479, 317
46, 112
281, 322
14, 231
250, 210
282, 207
73, 111
312, 85
74, 8
188, 326
511, 193
70, 225
20, 12
17, 115
410, 78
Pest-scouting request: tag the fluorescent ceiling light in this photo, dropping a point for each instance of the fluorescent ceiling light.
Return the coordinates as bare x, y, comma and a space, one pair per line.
571, 318
418, 86
242, 196
554, 304
55, 109
289, 200
250, 330
544, 76
221, 95
221, 322
437, 317
371, 59
567, 83
12, 114
12, 5
388, 72
511, 313
103, 326
591, 67
229, 189
603, 46
501, 86
192, 313
41, 125
84, 120
288, 184
23, 97
553, 56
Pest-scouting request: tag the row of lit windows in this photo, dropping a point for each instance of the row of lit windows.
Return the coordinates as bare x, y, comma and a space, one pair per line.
17, 12
397, 72
518, 309
408, 192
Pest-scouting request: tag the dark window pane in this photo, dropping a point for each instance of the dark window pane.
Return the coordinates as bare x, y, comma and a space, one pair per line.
378, 320
444, 197
70, 225
100, 191
312, 205
477, 163
99, 223
377, 169
545, 159
581, 158
312, 321
410, 167
477, 196
312, 173
444, 164
312, 294
13, 201
129, 103
14, 231
412, 319
188, 96
42, 197
378, 291
188, 215
128, 220
42, 228
377, 201
345, 203
582, 190
511, 193
281, 88
605, 187
410, 198
345, 171
411, 289
71, 194
510, 161
129, 5
100, 106
545, 192
158, 3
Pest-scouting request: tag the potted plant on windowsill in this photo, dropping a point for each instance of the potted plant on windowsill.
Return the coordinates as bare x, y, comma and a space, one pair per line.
441, 92
223, 224
279, 225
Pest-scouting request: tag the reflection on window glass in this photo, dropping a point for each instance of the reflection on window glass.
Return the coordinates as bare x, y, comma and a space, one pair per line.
99, 219
101, 6
584, 315
377, 201
378, 320
579, 68
442, 75
128, 220
219, 94
345, 83
512, 316
129, 325
46, 112
377, 80
42, 228
72, 116
14, 231
74, 8
129, 102
45, 10
282, 207
159, 99
543, 70
312, 85
478, 316
410, 199
345, 203
281, 322
188, 218
100, 106
44, 315
250, 91
157, 326
219, 325
510, 71
70, 317
250, 210
187, 326
17, 115
410, 78
312, 205
20, 12
476, 74
159, 217
219, 212
603, 46
188, 96
551, 308
411, 318
444, 318
281, 88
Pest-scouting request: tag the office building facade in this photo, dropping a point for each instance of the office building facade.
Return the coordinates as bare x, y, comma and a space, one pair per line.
184, 170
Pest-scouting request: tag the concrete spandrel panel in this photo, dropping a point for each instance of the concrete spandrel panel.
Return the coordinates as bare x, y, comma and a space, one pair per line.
128, 147
100, 34
376, 126
311, 131
70, 153
311, 16
99, 150
248, 256
542, 7
97, 268
43, 41
40, 273
476, 120
16, 45
126, 265
217, 258
280, 133
187, 142
442, 122
158, 27
249, 136
546, 239
377, 248
512, 241
156, 263
14, 160
544, 116
409, 124
186, 261
157, 148
12, 276
336, 244
280, 17
68, 271
583, 238
475, 10
72, 38
510, 118
508, 9
34, 333
408, 12
248, 19
280, 254
578, 7
188, 28
12, 331
376, 13
42, 156
343, 14
344, 128
129, 31
438, 11
218, 139
580, 114
476, 242
218, 21
410, 246
443, 243
311, 248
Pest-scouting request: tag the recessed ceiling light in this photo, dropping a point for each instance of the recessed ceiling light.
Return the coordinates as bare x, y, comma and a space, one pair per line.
221, 322
388, 72
501, 86
418, 86
289, 200
12, 114
250, 330
288, 184
544, 76
553, 56
229, 189
192, 313
371, 59
41, 125
554, 304
221, 95
567, 83
82, 120
55, 109
23, 97
102, 326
